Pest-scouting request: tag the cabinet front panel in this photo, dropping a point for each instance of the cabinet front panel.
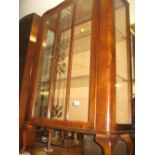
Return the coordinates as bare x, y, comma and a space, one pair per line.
66, 67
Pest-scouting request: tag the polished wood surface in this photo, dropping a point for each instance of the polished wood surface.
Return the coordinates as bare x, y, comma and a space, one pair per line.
27, 137
102, 94
102, 105
107, 142
105, 106
28, 32
27, 36
129, 142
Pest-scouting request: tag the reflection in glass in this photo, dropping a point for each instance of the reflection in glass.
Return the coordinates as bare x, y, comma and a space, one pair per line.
41, 100
123, 109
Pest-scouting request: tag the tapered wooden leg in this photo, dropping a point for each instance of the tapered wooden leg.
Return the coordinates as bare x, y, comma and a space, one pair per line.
27, 136
128, 141
23, 141
107, 142
49, 149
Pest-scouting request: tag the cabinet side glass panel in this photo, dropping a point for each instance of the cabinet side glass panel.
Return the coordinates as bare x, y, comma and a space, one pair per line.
123, 102
45, 65
61, 63
80, 72
133, 63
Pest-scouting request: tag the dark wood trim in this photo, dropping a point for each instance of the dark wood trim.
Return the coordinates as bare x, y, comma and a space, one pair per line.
62, 124
124, 127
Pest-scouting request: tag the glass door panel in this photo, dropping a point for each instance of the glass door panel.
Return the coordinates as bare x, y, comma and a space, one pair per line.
44, 73
123, 102
61, 63
80, 72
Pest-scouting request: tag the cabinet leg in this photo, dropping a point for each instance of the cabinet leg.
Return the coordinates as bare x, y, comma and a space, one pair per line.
27, 136
23, 141
49, 149
128, 141
107, 142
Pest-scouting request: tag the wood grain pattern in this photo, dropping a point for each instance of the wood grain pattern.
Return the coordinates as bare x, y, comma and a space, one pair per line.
92, 73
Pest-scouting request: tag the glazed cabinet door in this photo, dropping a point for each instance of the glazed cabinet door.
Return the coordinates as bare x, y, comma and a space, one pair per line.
78, 102
64, 82
42, 85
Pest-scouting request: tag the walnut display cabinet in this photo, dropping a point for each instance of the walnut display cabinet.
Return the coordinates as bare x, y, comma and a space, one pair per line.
81, 79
